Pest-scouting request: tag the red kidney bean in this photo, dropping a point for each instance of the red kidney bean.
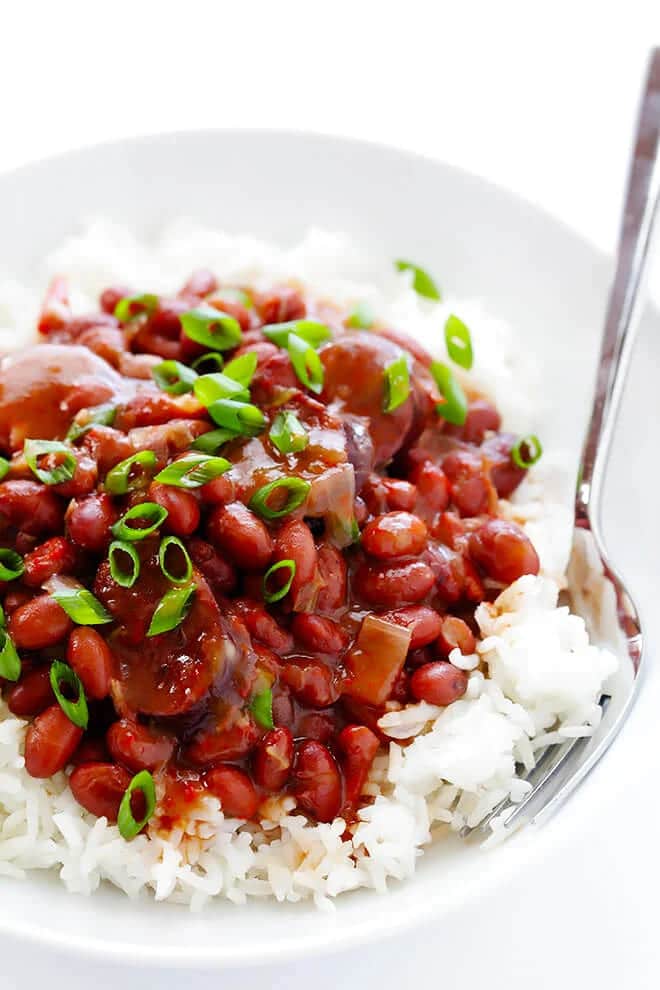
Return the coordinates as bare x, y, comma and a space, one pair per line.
31, 694
111, 296
230, 740
448, 528
295, 542
16, 597
383, 494
199, 284
108, 342
91, 750
273, 759
50, 742
235, 530
234, 790
447, 567
89, 655
320, 725
473, 586
220, 574
262, 626
39, 623
89, 520
317, 781
456, 635
217, 492
358, 746
424, 623
31, 507
314, 632
396, 534
400, 584
432, 485
438, 683
482, 417
99, 788
106, 446
310, 681
233, 308
416, 658
471, 490
137, 747
84, 478
334, 575
274, 374
504, 473
55, 556
280, 305
503, 550
78, 325
182, 509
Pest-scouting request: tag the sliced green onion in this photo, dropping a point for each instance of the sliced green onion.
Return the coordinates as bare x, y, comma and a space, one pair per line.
126, 822
76, 711
311, 331
123, 575
130, 307
396, 382
288, 434
209, 362
211, 328
103, 415
232, 294
174, 377
123, 478
4, 467
33, 450
306, 363
210, 443
261, 707
171, 610
169, 544
210, 388
78, 603
149, 512
527, 451
296, 490
276, 596
362, 317
193, 470
3, 620
242, 418
459, 342
11, 564
242, 368
10, 662
422, 283
454, 408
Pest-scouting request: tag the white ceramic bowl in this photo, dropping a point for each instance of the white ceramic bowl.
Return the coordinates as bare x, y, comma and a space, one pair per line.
483, 242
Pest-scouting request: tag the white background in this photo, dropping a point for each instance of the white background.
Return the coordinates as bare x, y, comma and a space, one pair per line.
539, 97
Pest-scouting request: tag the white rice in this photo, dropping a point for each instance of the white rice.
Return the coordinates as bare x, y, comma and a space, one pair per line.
534, 679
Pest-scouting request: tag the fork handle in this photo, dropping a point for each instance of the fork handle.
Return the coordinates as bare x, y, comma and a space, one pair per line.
626, 298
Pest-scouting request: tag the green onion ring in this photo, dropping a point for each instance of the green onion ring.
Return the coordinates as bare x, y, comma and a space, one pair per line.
125, 579
174, 542
76, 711
126, 823
171, 610
275, 596
120, 479
297, 489
193, 470
154, 514
173, 377
34, 449
11, 564
532, 445
458, 342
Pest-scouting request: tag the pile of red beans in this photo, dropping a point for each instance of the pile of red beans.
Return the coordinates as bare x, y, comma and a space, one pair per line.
245, 699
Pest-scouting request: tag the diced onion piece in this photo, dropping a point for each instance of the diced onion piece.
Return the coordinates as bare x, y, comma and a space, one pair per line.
376, 660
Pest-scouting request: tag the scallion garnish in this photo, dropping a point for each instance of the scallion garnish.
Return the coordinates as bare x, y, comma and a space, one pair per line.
172, 547
306, 363
312, 332
422, 282
174, 377
207, 363
396, 384
527, 451
242, 418
242, 368
151, 513
211, 442
454, 408
193, 470
171, 610
459, 342
64, 468
10, 662
127, 824
78, 603
103, 415
295, 489
362, 317
4, 467
130, 307
288, 434
76, 711
124, 563
11, 564
211, 328
279, 593
261, 707
131, 473
209, 388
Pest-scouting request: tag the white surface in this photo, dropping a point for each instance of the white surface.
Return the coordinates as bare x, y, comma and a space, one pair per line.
545, 108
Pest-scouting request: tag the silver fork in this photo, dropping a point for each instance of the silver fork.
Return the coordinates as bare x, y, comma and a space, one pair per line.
560, 768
